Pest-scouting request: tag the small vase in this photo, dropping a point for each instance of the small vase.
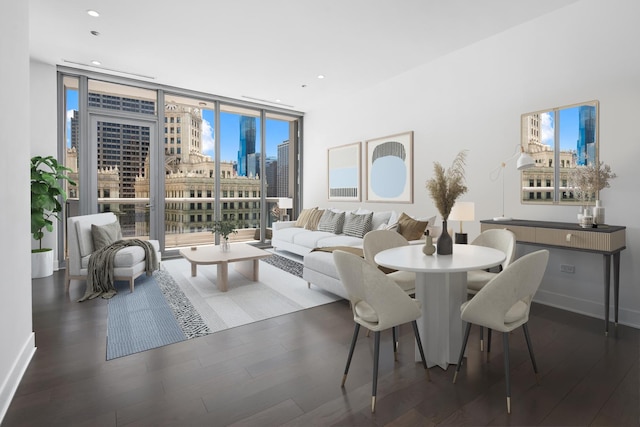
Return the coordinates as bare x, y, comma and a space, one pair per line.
598, 213
224, 245
428, 247
445, 243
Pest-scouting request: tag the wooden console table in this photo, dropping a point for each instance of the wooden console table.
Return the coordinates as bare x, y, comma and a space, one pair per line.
608, 240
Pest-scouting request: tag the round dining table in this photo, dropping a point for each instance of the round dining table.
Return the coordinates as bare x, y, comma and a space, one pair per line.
441, 287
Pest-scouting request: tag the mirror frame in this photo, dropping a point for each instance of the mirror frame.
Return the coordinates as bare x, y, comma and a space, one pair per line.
548, 136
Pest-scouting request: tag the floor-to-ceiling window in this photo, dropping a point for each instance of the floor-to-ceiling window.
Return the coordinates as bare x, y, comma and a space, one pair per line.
169, 163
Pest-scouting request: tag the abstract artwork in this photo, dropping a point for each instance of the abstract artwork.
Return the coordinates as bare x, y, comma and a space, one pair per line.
344, 172
390, 169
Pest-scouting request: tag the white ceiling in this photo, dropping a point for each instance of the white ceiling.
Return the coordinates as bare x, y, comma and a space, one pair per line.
267, 49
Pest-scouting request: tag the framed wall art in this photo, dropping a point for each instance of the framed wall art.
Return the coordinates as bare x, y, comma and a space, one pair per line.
390, 168
344, 165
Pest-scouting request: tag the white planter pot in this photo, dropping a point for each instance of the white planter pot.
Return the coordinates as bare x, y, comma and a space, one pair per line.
41, 264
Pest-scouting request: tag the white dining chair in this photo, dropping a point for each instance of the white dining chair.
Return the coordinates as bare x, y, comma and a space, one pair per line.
376, 241
377, 304
503, 304
503, 240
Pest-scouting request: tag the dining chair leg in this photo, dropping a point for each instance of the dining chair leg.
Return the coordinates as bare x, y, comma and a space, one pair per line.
488, 342
481, 338
527, 337
353, 346
419, 342
505, 344
464, 346
376, 354
395, 343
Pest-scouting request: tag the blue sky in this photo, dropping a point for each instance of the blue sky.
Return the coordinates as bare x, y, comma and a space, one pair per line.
277, 131
568, 129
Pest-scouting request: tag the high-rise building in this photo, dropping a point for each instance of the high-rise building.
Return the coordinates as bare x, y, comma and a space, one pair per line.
247, 143
182, 132
283, 170
586, 147
271, 175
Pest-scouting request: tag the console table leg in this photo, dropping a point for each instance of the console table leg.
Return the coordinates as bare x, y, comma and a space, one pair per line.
607, 291
616, 284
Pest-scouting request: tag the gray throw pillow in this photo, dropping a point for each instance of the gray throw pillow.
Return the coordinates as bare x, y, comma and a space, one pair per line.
104, 235
357, 225
331, 222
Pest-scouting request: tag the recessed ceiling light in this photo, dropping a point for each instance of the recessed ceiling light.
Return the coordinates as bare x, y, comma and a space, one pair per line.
304, 85
93, 13
95, 33
94, 62
277, 100
321, 76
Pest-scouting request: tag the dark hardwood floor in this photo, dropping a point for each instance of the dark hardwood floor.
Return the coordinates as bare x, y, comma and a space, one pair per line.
287, 371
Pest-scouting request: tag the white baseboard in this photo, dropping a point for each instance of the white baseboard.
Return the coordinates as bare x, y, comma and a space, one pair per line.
589, 308
10, 385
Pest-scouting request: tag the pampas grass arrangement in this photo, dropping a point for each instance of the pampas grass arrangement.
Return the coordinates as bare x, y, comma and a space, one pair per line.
447, 185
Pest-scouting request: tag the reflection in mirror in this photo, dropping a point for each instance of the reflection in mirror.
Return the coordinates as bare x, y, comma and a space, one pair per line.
559, 140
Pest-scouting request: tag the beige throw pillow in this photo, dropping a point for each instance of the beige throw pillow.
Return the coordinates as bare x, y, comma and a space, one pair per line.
304, 217
411, 229
314, 219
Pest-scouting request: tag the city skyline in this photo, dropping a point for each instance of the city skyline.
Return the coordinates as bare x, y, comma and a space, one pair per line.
277, 131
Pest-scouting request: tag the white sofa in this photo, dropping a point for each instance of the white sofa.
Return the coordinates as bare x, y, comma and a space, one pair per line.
129, 262
318, 266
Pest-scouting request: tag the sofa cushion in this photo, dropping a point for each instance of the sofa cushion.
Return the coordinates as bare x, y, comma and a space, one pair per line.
104, 235
357, 225
309, 239
331, 222
289, 234
304, 217
341, 240
314, 219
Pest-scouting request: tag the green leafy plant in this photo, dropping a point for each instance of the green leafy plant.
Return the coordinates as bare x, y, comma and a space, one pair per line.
47, 194
447, 185
224, 228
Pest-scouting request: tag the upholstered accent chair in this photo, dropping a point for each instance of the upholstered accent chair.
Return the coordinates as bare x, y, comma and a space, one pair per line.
503, 305
377, 304
129, 262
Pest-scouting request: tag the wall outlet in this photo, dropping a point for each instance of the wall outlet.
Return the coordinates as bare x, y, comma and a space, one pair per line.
566, 268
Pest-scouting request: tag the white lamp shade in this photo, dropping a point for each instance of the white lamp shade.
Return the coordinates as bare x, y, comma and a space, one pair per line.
285, 203
463, 211
525, 161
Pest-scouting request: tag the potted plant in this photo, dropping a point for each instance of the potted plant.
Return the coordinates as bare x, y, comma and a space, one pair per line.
224, 228
445, 187
47, 196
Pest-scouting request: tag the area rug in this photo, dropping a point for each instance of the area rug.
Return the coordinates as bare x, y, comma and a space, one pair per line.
171, 306
157, 313
277, 292
286, 264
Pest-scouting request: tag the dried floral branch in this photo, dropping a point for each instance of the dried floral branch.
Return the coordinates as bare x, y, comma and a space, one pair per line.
586, 180
447, 185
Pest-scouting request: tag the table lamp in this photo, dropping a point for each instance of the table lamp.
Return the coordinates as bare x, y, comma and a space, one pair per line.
284, 203
462, 211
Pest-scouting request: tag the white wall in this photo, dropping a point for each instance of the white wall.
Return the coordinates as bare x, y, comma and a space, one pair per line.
16, 333
473, 98
44, 140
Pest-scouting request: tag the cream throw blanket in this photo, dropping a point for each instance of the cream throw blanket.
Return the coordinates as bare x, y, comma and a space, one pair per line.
101, 266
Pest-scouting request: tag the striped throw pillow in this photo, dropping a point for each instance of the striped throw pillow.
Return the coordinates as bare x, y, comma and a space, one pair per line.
331, 222
357, 225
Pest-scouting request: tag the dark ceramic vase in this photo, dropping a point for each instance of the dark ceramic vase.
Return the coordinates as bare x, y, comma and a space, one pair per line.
445, 243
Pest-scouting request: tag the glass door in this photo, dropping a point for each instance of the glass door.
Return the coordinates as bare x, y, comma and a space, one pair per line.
120, 179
